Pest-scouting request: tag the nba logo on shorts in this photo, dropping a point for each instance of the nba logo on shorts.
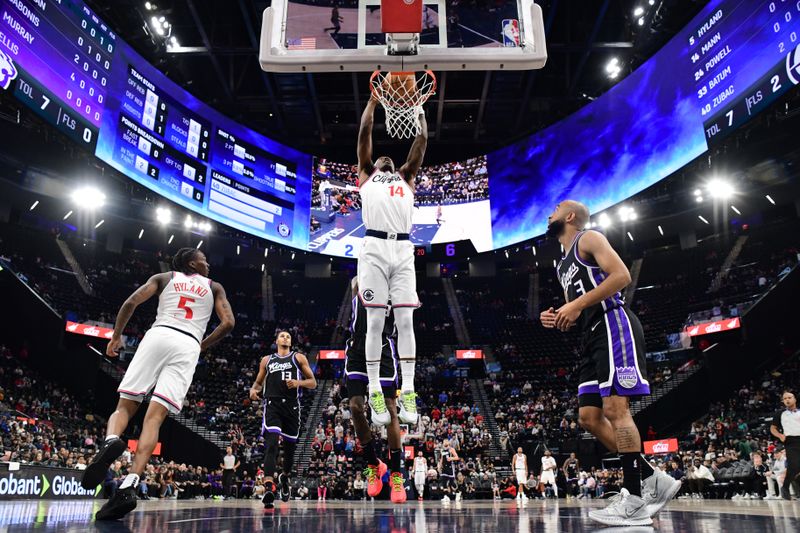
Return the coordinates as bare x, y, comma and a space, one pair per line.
7, 70
627, 376
510, 32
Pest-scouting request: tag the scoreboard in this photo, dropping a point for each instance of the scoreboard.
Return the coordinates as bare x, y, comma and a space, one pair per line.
69, 67
734, 82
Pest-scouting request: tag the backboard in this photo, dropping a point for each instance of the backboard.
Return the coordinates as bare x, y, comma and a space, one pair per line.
345, 35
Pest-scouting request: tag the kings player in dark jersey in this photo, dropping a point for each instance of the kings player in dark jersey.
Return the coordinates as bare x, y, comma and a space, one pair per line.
281, 378
612, 365
355, 369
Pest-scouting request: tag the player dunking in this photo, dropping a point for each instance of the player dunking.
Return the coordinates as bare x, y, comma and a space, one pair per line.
612, 365
164, 364
355, 369
386, 261
280, 379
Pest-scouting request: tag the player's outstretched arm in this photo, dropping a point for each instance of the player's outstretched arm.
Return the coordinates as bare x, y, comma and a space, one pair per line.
153, 286
417, 153
309, 381
365, 163
225, 315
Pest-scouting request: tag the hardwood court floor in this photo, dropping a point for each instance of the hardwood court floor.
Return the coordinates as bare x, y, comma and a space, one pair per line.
192, 516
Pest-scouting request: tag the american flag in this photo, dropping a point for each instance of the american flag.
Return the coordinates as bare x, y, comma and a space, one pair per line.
304, 43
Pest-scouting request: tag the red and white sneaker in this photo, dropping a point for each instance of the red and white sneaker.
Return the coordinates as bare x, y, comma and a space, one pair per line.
374, 475
398, 488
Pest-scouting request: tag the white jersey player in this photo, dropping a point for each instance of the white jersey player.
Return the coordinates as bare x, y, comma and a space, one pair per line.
386, 262
520, 465
549, 471
420, 472
164, 364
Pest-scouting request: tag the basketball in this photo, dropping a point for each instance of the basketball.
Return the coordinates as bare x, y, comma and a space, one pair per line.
404, 85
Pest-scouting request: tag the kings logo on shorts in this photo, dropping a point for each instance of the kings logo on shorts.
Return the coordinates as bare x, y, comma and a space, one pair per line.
627, 376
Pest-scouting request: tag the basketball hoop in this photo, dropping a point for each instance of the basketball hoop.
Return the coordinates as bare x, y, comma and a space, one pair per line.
402, 94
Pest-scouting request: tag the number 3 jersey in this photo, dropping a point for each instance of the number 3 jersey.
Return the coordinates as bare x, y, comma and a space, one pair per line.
387, 202
577, 277
186, 304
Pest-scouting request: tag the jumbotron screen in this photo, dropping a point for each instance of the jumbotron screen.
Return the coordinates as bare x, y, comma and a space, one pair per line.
729, 63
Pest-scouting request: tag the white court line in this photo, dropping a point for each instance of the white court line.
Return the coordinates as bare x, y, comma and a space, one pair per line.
357, 228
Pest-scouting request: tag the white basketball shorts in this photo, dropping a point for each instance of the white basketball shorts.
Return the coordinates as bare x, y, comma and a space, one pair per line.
419, 479
165, 364
521, 479
386, 271
548, 477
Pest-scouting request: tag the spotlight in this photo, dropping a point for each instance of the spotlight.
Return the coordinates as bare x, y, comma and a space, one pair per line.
199, 244
698, 199
661, 231
613, 68
626, 213
720, 189
163, 216
638, 12
34, 205
533, 249
292, 256
141, 232
69, 213
630, 236
604, 221
641, 21
506, 254
770, 199
99, 224
188, 222
733, 207
266, 252
263, 267
554, 263
702, 218
698, 192
170, 239
88, 197
237, 250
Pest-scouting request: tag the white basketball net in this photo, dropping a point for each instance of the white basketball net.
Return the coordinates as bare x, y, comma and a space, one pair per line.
403, 107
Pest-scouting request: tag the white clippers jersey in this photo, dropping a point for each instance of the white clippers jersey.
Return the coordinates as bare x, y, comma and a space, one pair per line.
387, 203
420, 464
520, 462
186, 304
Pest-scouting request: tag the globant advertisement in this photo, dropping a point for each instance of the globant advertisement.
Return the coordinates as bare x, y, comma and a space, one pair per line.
40, 483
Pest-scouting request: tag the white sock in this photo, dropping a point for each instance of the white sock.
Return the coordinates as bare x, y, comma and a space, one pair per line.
374, 375
109, 437
407, 370
131, 480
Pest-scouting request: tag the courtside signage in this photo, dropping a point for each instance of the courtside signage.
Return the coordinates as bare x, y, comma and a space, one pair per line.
32, 483
331, 354
469, 354
717, 326
654, 447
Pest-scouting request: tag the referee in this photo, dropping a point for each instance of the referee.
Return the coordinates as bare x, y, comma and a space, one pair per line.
786, 427
229, 466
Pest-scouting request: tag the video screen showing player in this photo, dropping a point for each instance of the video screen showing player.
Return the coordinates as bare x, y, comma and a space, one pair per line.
452, 204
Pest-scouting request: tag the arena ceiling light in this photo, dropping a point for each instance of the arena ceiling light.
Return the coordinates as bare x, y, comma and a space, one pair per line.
660, 230
720, 189
770, 199
701, 217
141, 232
613, 68
626, 213
34, 205
238, 250
733, 207
604, 221
638, 12
170, 239
630, 236
88, 197
163, 216
69, 214
199, 244
99, 224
